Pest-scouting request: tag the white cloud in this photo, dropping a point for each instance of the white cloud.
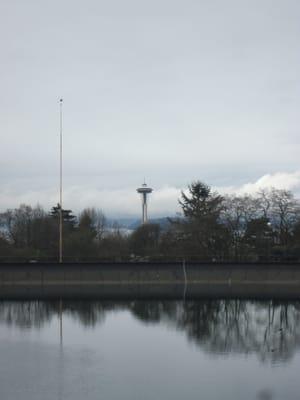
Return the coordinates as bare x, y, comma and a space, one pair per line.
125, 202
113, 202
279, 180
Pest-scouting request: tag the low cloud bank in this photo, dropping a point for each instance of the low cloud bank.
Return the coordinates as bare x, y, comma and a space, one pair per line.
279, 180
126, 202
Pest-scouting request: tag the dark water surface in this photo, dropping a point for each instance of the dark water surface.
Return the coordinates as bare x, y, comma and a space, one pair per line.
215, 349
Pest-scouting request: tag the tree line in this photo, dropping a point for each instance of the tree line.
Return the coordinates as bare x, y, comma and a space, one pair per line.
210, 227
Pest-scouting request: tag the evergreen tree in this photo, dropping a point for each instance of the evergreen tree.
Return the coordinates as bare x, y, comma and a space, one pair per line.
202, 232
68, 218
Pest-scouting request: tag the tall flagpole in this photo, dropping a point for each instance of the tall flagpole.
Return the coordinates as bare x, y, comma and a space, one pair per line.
60, 183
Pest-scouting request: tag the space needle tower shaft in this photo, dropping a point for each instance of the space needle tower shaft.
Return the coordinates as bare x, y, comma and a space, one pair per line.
144, 190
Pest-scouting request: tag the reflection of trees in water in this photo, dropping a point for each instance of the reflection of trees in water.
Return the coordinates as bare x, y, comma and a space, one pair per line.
154, 311
270, 329
25, 315
34, 314
86, 313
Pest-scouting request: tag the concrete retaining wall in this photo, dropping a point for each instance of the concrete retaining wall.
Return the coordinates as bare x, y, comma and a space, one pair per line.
149, 280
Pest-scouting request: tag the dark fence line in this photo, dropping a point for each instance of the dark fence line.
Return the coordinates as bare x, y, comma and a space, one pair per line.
148, 264
148, 258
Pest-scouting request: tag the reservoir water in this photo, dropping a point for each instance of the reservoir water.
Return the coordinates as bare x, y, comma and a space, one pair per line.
213, 349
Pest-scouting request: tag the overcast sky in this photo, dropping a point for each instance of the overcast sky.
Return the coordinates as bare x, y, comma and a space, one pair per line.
168, 90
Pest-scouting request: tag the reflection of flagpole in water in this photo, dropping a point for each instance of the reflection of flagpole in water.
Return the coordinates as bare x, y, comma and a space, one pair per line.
185, 279
60, 370
60, 322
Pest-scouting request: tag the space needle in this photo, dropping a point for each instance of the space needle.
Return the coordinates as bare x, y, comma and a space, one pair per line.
144, 190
